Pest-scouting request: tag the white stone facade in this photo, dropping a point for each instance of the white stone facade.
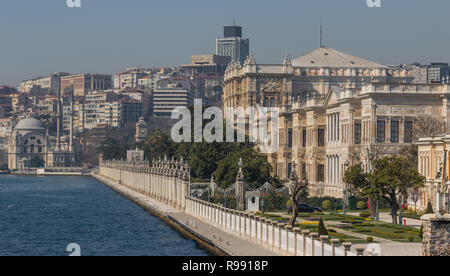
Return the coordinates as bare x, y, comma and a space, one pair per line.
336, 110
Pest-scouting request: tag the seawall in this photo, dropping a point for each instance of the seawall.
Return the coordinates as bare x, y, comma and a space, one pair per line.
214, 241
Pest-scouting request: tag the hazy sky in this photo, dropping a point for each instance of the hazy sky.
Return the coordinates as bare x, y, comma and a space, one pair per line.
106, 36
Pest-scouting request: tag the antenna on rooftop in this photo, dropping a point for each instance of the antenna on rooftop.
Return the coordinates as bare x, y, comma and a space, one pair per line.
234, 21
321, 36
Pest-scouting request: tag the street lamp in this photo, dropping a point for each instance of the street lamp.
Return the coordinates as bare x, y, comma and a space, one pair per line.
347, 164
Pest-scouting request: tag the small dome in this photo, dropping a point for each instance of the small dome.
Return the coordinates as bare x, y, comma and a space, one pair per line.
30, 124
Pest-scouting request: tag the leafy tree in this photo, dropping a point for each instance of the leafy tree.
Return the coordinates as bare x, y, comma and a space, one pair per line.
256, 168
157, 144
111, 149
391, 177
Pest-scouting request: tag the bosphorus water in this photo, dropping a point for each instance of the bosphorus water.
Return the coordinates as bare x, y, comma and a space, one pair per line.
41, 216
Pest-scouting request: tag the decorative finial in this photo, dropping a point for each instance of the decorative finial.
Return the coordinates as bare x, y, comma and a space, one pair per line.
240, 172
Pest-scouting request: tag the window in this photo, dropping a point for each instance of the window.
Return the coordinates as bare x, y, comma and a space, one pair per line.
321, 137
394, 132
357, 133
290, 138
381, 125
304, 137
289, 169
408, 131
320, 173
304, 176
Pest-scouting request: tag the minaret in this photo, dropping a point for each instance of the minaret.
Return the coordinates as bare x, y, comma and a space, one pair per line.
71, 122
58, 123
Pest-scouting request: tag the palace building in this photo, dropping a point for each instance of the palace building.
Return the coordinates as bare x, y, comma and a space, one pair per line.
336, 110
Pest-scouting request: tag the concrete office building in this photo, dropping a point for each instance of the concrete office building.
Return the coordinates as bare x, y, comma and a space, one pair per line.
233, 45
83, 83
207, 65
167, 98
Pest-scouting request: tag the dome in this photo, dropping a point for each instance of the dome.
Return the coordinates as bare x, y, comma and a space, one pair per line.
29, 124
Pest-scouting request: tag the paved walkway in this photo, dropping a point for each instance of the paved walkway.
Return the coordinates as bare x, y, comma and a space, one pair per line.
228, 243
385, 217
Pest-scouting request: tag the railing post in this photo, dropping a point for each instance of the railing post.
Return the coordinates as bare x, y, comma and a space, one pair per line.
305, 234
288, 230
324, 240
347, 247
314, 236
296, 233
334, 243
360, 251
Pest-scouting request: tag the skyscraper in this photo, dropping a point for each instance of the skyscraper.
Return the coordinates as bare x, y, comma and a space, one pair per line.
232, 44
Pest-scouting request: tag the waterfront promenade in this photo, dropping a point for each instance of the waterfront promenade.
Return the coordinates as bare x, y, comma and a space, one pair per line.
212, 238
162, 188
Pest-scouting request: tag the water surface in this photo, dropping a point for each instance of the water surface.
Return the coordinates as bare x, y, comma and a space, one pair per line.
41, 216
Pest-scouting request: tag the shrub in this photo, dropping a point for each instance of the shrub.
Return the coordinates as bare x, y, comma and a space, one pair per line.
322, 229
411, 239
361, 205
369, 239
429, 208
365, 214
326, 205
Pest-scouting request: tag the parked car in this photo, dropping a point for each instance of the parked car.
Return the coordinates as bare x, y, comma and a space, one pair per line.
305, 208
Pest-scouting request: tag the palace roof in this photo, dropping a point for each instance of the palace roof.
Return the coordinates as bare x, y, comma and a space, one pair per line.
327, 57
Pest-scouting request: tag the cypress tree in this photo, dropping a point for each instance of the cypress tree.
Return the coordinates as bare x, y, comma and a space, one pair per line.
322, 229
429, 208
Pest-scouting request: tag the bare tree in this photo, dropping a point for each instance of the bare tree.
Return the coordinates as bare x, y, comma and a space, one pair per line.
415, 196
295, 188
428, 125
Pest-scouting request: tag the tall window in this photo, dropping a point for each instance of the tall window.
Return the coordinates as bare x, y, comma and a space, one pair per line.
289, 169
321, 137
395, 132
408, 131
381, 126
320, 173
290, 138
304, 176
304, 137
358, 133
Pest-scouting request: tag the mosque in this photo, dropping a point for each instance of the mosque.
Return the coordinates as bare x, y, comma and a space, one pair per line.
30, 146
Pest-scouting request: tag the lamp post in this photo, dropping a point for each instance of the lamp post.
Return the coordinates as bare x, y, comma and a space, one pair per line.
347, 164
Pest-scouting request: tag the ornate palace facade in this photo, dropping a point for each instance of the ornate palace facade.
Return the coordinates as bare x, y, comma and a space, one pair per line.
335, 110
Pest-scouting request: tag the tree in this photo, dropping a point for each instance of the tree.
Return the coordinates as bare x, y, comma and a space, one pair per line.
415, 197
322, 229
157, 144
429, 208
428, 125
111, 149
256, 168
391, 177
296, 187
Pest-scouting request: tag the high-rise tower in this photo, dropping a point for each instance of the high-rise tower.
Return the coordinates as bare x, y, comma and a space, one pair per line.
232, 44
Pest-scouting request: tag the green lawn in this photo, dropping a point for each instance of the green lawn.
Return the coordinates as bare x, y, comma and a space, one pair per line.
355, 224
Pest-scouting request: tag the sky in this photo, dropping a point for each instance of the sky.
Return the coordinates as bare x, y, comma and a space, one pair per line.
106, 36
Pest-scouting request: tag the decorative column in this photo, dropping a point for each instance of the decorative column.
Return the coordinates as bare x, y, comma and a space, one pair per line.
240, 188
